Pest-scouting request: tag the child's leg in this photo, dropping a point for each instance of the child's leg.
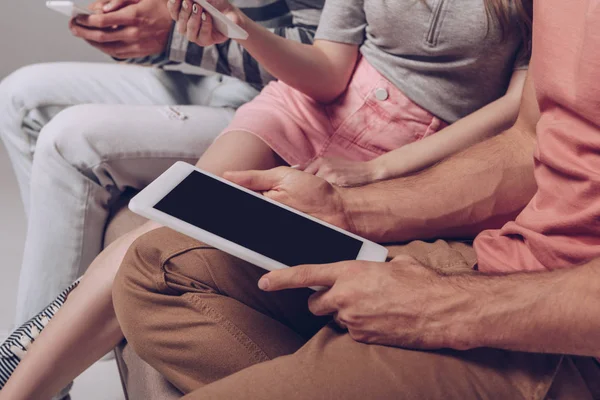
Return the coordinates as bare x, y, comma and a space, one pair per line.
85, 328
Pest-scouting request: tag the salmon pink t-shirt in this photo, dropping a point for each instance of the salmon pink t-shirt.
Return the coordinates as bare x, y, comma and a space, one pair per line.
560, 227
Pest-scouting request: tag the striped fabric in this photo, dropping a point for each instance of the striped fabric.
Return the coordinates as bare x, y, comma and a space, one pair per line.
293, 19
15, 346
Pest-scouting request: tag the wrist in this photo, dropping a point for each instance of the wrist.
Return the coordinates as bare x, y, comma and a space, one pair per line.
459, 319
238, 17
344, 196
378, 170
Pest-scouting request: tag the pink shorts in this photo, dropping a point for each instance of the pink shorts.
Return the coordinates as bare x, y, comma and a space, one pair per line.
371, 118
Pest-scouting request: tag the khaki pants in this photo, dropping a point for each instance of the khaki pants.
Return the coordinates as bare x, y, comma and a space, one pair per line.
197, 315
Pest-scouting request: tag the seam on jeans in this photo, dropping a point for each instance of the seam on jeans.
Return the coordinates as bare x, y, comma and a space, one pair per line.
256, 353
81, 229
377, 152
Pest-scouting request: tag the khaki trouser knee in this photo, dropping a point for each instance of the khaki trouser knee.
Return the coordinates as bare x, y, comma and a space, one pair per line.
197, 316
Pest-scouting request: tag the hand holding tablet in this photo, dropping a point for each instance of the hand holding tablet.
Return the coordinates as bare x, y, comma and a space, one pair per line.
245, 224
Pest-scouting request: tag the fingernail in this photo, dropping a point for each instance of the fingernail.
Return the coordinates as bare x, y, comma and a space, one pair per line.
263, 284
295, 166
107, 7
203, 16
185, 5
195, 8
172, 1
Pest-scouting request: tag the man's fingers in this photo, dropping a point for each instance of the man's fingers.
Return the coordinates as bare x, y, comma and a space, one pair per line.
322, 303
259, 181
303, 276
313, 167
105, 36
97, 5
174, 6
194, 23
120, 50
184, 15
122, 17
114, 5
205, 37
108, 48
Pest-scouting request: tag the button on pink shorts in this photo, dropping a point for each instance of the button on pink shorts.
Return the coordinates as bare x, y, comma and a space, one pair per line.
371, 118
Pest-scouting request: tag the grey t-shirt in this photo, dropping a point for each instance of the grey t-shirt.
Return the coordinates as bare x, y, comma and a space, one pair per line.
439, 53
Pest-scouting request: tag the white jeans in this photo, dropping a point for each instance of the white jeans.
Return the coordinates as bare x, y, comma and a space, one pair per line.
78, 135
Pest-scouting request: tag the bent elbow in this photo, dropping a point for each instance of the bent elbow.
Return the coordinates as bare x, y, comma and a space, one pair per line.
327, 95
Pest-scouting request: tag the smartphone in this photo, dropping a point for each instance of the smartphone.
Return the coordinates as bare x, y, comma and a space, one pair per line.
245, 224
223, 24
67, 8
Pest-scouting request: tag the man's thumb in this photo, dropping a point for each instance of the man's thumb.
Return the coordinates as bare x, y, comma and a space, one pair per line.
259, 181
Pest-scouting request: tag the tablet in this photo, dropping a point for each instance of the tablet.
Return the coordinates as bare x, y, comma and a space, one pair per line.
245, 224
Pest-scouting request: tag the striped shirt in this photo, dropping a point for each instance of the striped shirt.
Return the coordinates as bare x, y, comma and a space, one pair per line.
293, 19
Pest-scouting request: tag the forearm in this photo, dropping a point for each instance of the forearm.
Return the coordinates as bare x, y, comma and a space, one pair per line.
482, 124
482, 187
303, 67
547, 312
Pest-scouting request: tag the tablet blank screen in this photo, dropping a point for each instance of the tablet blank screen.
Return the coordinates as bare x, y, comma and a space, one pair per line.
256, 224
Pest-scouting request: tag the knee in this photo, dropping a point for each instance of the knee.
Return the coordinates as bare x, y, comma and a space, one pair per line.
136, 276
21, 85
137, 283
74, 136
20, 92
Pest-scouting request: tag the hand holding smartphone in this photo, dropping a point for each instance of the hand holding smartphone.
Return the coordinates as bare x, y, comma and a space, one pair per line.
223, 24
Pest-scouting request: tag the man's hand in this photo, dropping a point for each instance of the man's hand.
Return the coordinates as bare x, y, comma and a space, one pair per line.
342, 172
299, 190
401, 303
126, 28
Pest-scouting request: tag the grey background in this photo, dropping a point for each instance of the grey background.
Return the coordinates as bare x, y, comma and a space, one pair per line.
31, 33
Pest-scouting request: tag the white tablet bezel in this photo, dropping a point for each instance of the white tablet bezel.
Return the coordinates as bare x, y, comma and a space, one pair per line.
143, 204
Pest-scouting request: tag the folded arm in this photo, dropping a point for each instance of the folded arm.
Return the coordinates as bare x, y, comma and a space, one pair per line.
482, 124
481, 187
476, 127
